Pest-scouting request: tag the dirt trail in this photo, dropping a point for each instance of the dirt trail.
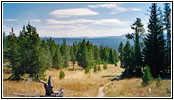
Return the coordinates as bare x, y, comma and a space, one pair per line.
101, 92
116, 73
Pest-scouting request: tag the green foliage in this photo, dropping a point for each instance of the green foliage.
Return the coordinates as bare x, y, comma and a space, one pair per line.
57, 59
104, 66
154, 51
61, 75
95, 68
13, 55
121, 51
147, 77
137, 26
167, 26
98, 68
158, 83
87, 69
65, 51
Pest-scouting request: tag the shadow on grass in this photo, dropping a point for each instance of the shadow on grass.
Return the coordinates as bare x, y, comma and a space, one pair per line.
109, 76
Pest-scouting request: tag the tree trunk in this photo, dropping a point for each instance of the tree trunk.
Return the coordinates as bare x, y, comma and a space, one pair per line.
49, 89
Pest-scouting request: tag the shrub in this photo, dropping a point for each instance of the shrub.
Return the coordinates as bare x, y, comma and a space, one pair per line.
95, 68
87, 69
147, 77
158, 83
115, 64
105, 66
98, 68
62, 74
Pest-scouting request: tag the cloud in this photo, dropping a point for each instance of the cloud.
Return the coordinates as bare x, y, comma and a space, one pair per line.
10, 20
135, 9
115, 8
80, 21
34, 20
63, 26
64, 13
79, 31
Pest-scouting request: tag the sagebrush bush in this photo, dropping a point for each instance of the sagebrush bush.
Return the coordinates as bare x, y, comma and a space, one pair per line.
62, 74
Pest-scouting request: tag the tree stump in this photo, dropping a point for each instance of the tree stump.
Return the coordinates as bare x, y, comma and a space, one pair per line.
49, 89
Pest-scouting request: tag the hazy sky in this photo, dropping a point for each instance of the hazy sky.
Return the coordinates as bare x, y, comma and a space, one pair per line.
75, 19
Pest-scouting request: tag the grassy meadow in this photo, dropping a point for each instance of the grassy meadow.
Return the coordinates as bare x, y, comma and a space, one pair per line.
78, 84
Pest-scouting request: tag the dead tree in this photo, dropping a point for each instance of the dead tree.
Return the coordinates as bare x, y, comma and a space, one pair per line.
48, 90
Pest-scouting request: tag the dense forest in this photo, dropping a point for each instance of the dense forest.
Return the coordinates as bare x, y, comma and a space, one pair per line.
28, 55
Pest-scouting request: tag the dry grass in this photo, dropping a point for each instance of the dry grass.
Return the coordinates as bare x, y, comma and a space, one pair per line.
133, 88
75, 83
78, 84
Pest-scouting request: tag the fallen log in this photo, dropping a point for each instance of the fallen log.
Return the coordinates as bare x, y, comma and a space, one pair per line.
48, 90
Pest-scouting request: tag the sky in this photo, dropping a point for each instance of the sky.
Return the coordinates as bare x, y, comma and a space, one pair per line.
75, 19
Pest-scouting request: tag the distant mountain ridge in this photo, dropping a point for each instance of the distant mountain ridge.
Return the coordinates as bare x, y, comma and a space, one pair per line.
109, 41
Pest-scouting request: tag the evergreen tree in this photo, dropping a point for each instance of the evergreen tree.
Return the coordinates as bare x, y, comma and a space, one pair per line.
57, 59
128, 64
106, 55
33, 61
104, 66
116, 57
65, 53
154, 43
137, 26
167, 26
13, 55
111, 57
147, 77
97, 55
83, 54
121, 51
52, 47
47, 55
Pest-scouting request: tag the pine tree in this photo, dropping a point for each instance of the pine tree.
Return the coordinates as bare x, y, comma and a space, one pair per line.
97, 55
73, 57
47, 54
147, 77
52, 47
116, 57
13, 55
128, 64
57, 59
120, 50
106, 55
33, 61
65, 53
154, 42
111, 57
137, 26
167, 26
83, 54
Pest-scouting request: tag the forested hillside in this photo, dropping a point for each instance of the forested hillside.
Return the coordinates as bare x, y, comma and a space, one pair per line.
111, 41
